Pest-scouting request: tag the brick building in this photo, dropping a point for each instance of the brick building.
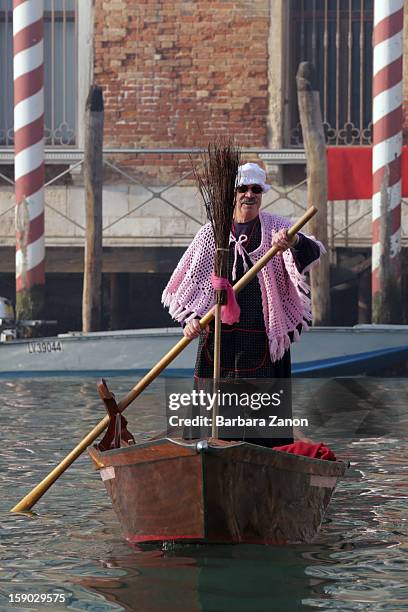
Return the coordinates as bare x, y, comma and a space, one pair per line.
175, 75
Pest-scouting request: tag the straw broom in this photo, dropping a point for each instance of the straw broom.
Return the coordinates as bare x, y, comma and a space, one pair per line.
216, 183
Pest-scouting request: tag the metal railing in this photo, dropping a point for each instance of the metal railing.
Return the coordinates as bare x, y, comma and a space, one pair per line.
70, 155
341, 220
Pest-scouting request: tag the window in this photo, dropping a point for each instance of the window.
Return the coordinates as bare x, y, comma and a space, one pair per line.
60, 72
336, 37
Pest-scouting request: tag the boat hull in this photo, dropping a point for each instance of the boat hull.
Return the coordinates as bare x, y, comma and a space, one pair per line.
323, 351
226, 492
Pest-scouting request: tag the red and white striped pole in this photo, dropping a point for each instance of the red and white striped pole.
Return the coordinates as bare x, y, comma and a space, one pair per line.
28, 46
387, 151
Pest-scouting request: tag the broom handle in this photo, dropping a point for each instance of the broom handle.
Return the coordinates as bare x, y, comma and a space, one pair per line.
217, 367
221, 270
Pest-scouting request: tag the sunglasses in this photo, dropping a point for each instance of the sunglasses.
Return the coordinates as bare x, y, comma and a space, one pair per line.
254, 188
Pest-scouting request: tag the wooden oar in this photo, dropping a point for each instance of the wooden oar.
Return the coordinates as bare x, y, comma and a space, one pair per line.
32, 498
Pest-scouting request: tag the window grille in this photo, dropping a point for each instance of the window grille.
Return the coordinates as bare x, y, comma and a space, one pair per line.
336, 37
60, 72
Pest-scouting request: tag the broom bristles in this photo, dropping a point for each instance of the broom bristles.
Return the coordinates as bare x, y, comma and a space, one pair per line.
216, 182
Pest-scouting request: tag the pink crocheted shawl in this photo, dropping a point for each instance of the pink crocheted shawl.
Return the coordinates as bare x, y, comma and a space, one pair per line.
285, 291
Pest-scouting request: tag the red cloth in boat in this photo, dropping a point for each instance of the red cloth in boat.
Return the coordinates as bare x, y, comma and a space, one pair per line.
316, 451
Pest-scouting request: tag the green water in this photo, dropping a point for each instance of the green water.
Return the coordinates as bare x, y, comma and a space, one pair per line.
72, 549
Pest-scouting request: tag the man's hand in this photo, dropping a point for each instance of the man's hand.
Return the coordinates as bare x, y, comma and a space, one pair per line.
282, 240
192, 329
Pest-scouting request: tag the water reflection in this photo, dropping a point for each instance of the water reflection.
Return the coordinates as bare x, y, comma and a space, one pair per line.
209, 578
72, 545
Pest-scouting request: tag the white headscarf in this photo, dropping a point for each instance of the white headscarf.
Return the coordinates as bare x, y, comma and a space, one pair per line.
252, 174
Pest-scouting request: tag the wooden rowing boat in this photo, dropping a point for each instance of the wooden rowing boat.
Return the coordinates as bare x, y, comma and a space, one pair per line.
216, 491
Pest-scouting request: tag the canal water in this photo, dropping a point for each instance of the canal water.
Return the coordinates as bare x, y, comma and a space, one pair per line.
71, 549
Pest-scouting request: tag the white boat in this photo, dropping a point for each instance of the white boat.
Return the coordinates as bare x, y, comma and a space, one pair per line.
323, 351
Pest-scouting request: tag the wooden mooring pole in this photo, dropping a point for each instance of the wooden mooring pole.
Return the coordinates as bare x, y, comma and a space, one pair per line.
93, 179
315, 149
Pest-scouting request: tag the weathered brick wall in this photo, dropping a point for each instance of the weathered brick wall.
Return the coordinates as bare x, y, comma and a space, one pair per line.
177, 73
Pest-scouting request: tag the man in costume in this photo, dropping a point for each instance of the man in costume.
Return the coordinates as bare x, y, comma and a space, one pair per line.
274, 306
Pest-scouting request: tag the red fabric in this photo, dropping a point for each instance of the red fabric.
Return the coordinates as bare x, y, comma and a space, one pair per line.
316, 451
350, 173
230, 313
